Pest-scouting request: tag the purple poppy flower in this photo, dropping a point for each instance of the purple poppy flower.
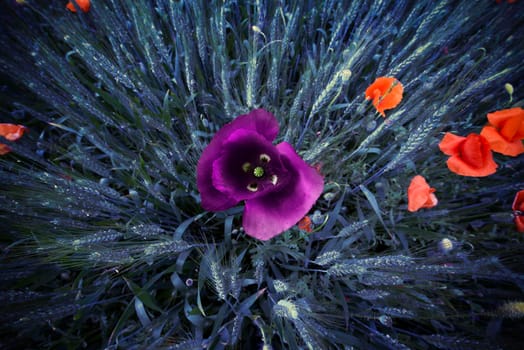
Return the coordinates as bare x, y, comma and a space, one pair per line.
242, 164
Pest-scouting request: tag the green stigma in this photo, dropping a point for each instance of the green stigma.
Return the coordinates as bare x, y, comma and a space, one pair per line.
258, 171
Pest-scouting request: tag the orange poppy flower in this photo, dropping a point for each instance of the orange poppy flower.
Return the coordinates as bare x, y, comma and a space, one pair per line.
386, 93
11, 132
518, 210
420, 195
84, 5
305, 224
506, 131
470, 156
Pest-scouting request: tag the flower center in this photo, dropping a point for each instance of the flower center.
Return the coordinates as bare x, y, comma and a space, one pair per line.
258, 171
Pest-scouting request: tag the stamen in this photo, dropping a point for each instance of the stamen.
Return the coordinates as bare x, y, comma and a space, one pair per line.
253, 187
246, 166
258, 171
274, 179
264, 158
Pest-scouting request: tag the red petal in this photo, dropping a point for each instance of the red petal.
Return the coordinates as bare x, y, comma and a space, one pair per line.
473, 150
420, 195
518, 202
450, 144
509, 121
4, 149
472, 157
305, 224
379, 86
459, 167
84, 5
519, 222
12, 132
499, 144
386, 93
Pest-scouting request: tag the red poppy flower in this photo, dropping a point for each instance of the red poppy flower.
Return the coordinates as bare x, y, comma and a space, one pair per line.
420, 195
386, 93
84, 5
506, 131
518, 210
11, 132
305, 224
470, 156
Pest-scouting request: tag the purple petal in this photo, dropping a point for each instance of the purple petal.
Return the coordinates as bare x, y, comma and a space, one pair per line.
270, 215
212, 199
259, 121
245, 146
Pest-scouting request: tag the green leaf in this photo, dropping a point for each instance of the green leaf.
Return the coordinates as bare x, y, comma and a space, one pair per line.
143, 295
121, 322
224, 311
183, 226
228, 227
374, 205
193, 315
141, 313
247, 303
